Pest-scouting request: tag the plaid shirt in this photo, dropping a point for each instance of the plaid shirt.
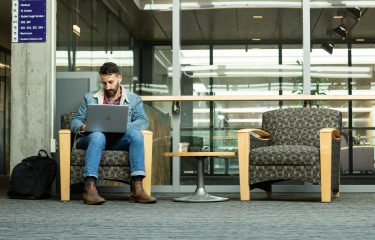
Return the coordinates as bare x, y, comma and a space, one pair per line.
114, 102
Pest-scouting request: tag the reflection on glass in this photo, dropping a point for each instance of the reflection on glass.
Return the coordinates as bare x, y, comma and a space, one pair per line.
3, 65
330, 72
292, 55
246, 70
161, 83
101, 37
5, 61
363, 143
363, 55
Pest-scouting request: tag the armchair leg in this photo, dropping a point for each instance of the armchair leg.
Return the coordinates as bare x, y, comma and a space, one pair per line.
147, 138
325, 182
64, 149
245, 194
243, 162
336, 193
268, 190
65, 187
326, 195
325, 165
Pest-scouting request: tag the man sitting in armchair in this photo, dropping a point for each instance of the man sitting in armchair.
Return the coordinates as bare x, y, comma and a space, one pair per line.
95, 142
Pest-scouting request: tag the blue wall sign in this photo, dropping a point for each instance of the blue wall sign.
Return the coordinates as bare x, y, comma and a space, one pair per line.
28, 20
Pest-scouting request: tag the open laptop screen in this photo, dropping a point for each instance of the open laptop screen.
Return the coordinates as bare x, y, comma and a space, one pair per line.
107, 118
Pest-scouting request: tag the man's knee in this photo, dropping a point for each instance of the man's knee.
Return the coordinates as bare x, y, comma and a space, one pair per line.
135, 135
97, 138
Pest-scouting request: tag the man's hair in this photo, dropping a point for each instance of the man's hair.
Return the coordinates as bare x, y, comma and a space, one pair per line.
109, 68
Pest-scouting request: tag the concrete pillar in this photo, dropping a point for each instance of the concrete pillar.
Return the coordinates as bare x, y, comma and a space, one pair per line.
32, 93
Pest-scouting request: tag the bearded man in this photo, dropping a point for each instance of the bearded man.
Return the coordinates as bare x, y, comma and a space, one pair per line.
112, 93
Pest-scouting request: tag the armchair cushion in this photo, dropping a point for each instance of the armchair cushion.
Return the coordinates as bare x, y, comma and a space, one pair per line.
114, 165
299, 126
285, 155
116, 173
109, 158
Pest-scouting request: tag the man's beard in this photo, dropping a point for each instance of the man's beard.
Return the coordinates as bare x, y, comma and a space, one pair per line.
110, 93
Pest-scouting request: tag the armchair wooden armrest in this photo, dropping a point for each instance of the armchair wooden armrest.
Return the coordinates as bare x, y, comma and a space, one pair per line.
326, 137
65, 153
243, 137
332, 131
261, 133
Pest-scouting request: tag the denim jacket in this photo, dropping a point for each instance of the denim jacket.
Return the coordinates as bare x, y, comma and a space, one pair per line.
137, 117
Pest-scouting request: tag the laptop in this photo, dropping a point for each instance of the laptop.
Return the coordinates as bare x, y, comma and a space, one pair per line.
107, 118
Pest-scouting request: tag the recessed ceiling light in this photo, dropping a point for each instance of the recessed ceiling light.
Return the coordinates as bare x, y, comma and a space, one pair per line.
256, 39
360, 39
257, 17
338, 17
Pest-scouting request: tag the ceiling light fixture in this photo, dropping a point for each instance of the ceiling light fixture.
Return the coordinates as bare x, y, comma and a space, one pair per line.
338, 17
257, 17
256, 39
342, 31
360, 40
355, 13
77, 30
328, 47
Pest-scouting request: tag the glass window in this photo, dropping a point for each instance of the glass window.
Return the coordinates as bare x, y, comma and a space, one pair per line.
363, 60
341, 69
245, 70
329, 72
90, 33
292, 58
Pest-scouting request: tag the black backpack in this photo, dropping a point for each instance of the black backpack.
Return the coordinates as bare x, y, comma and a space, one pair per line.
32, 178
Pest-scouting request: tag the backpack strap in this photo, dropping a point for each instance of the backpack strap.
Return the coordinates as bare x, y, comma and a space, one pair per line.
43, 154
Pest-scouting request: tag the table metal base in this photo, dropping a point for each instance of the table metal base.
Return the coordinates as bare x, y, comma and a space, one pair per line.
200, 195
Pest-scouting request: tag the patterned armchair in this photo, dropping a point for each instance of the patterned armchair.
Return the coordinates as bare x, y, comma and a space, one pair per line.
293, 144
114, 165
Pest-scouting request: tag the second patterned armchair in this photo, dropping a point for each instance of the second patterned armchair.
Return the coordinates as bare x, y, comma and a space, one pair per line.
293, 144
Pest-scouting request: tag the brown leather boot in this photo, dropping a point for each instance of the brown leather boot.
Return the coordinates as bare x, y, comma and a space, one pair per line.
91, 195
139, 195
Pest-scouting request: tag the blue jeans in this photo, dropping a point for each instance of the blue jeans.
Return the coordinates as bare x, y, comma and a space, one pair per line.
96, 142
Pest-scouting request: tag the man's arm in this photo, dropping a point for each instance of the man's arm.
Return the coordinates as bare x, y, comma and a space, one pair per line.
79, 118
138, 118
